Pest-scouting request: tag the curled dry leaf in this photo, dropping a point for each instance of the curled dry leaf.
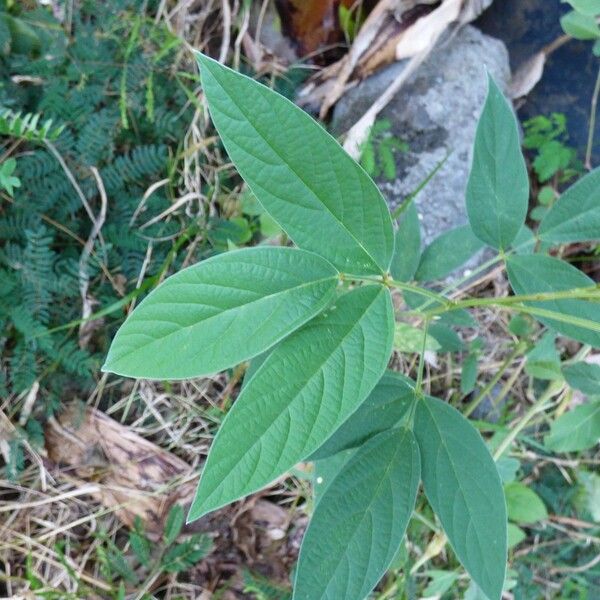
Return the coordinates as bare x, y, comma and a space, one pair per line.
134, 476
530, 72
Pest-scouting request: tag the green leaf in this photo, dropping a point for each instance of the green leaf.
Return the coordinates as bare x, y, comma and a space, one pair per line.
407, 252
447, 253
140, 546
464, 489
543, 360
327, 469
507, 468
533, 274
360, 521
579, 429
184, 556
468, 377
523, 505
583, 376
580, 26
525, 241
220, 312
515, 535
300, 174
498, 186
173, 524
446, 337
7, 180
588, 498
585, 7
441, 582
306, 388
575, 217
410, 339
383, 409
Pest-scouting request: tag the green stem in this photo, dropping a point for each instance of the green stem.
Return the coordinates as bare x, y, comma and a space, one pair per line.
590, 141
406, 203
486, 390
538, 406
419, 385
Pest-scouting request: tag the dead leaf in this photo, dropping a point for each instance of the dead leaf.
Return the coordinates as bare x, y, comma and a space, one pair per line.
472, 9
312, 25
425, 32
530, 72
527, 76
134, 476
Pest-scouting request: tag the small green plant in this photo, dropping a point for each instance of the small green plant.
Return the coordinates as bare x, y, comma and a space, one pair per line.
145, 560
8, 182
377, 156
319, 324
547, 137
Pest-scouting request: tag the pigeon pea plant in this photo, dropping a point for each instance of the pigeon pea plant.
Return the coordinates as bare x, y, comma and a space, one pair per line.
319, 322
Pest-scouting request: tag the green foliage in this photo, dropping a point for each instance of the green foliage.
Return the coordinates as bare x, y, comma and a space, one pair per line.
377, 151
348, 350
26, 127
448, 252
523, 504
535, 274
316, 388
464, 489
581, 22
361, 519
547, 137
578, 429
575, 217
498, 186
258, 295
66, 108
336, 211
145, 559
407, 251
583, 376
7, 180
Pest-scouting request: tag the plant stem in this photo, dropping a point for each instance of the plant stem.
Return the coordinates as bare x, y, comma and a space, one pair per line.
419, 385
406, 203
538, 406
590, 141
486, 390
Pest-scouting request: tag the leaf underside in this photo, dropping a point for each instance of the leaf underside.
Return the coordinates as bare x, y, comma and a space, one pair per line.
360, 520
464, 489
534, 273
299, 173
306, 388
498, 185
220, 312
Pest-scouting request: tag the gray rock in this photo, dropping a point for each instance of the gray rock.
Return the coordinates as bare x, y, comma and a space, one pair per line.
436, 112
